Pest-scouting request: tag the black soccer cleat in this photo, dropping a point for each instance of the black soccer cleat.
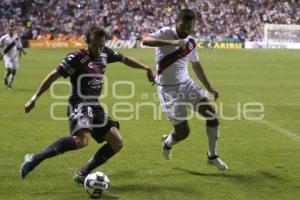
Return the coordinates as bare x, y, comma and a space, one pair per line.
27, 166
79, 177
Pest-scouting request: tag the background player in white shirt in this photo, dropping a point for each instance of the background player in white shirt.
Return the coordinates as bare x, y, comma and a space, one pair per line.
177, 91
11, 45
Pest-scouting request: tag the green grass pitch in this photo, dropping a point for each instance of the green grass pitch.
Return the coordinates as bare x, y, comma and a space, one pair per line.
264, 156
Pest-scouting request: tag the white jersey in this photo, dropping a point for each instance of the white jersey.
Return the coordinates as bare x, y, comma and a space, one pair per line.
171, 61
10, 45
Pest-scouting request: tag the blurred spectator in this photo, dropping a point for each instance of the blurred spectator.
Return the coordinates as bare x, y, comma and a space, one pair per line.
234, 20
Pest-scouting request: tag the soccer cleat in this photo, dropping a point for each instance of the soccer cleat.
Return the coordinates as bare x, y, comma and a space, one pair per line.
28, 165
216, 161
166, 151
79, 177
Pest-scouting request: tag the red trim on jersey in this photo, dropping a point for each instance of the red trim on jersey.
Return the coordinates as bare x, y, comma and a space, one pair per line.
168, 60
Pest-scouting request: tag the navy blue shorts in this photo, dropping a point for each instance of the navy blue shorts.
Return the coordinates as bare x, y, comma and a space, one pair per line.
84, 116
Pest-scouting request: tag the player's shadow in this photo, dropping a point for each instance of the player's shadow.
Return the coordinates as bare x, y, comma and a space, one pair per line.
66, 195
145, 187
224, 175
123, 174
270, 176
151, 188
260, 175
108, 196
23, 90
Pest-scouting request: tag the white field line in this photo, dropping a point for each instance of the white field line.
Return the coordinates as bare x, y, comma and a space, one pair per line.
293, 136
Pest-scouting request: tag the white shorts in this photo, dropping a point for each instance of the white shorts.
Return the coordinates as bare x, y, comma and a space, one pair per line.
176, 99
11, 62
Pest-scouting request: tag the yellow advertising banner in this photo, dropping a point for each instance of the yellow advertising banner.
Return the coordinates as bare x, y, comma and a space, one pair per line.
56, 44
220, 45
116, 44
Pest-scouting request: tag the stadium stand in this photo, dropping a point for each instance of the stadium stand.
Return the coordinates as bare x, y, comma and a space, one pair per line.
226, 20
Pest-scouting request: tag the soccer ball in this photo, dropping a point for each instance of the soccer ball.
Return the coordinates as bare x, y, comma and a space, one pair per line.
96, 184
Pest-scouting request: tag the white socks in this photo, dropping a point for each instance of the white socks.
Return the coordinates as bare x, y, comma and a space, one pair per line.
212, 135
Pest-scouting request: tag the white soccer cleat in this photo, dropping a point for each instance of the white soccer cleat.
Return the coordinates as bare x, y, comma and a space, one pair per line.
166, 151
216, 161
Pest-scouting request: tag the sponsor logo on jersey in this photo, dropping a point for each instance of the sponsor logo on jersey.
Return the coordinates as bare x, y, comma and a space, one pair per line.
95, 83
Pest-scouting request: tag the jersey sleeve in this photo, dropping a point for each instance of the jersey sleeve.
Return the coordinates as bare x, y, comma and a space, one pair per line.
67, 67
2, 42
161, 33
194, 57
113, 56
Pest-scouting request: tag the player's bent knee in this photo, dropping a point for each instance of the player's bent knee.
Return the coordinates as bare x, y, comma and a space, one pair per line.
118, 146
212, 122
185, 134
187, 131
82, 138
81, 143
115, 140
182, 134
182, 131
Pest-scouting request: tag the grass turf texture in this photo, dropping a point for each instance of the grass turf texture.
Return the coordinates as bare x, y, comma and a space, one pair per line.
264, 163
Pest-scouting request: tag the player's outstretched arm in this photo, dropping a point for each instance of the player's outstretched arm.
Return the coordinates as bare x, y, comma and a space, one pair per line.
156, 42
132, 62
198, 69
46, 83
21, 51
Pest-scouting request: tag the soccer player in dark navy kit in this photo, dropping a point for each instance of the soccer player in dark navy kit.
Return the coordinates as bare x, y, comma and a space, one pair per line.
85, 68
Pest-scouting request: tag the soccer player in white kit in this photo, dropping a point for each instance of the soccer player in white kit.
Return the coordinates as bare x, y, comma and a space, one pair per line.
177, 91
11, 45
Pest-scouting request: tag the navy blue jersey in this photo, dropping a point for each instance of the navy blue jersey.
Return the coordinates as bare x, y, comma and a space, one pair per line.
86, 73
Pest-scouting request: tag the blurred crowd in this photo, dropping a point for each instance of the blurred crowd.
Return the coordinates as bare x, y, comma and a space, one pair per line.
132, 19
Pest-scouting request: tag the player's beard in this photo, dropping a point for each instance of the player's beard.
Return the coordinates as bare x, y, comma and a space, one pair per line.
182, 35
94, 51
